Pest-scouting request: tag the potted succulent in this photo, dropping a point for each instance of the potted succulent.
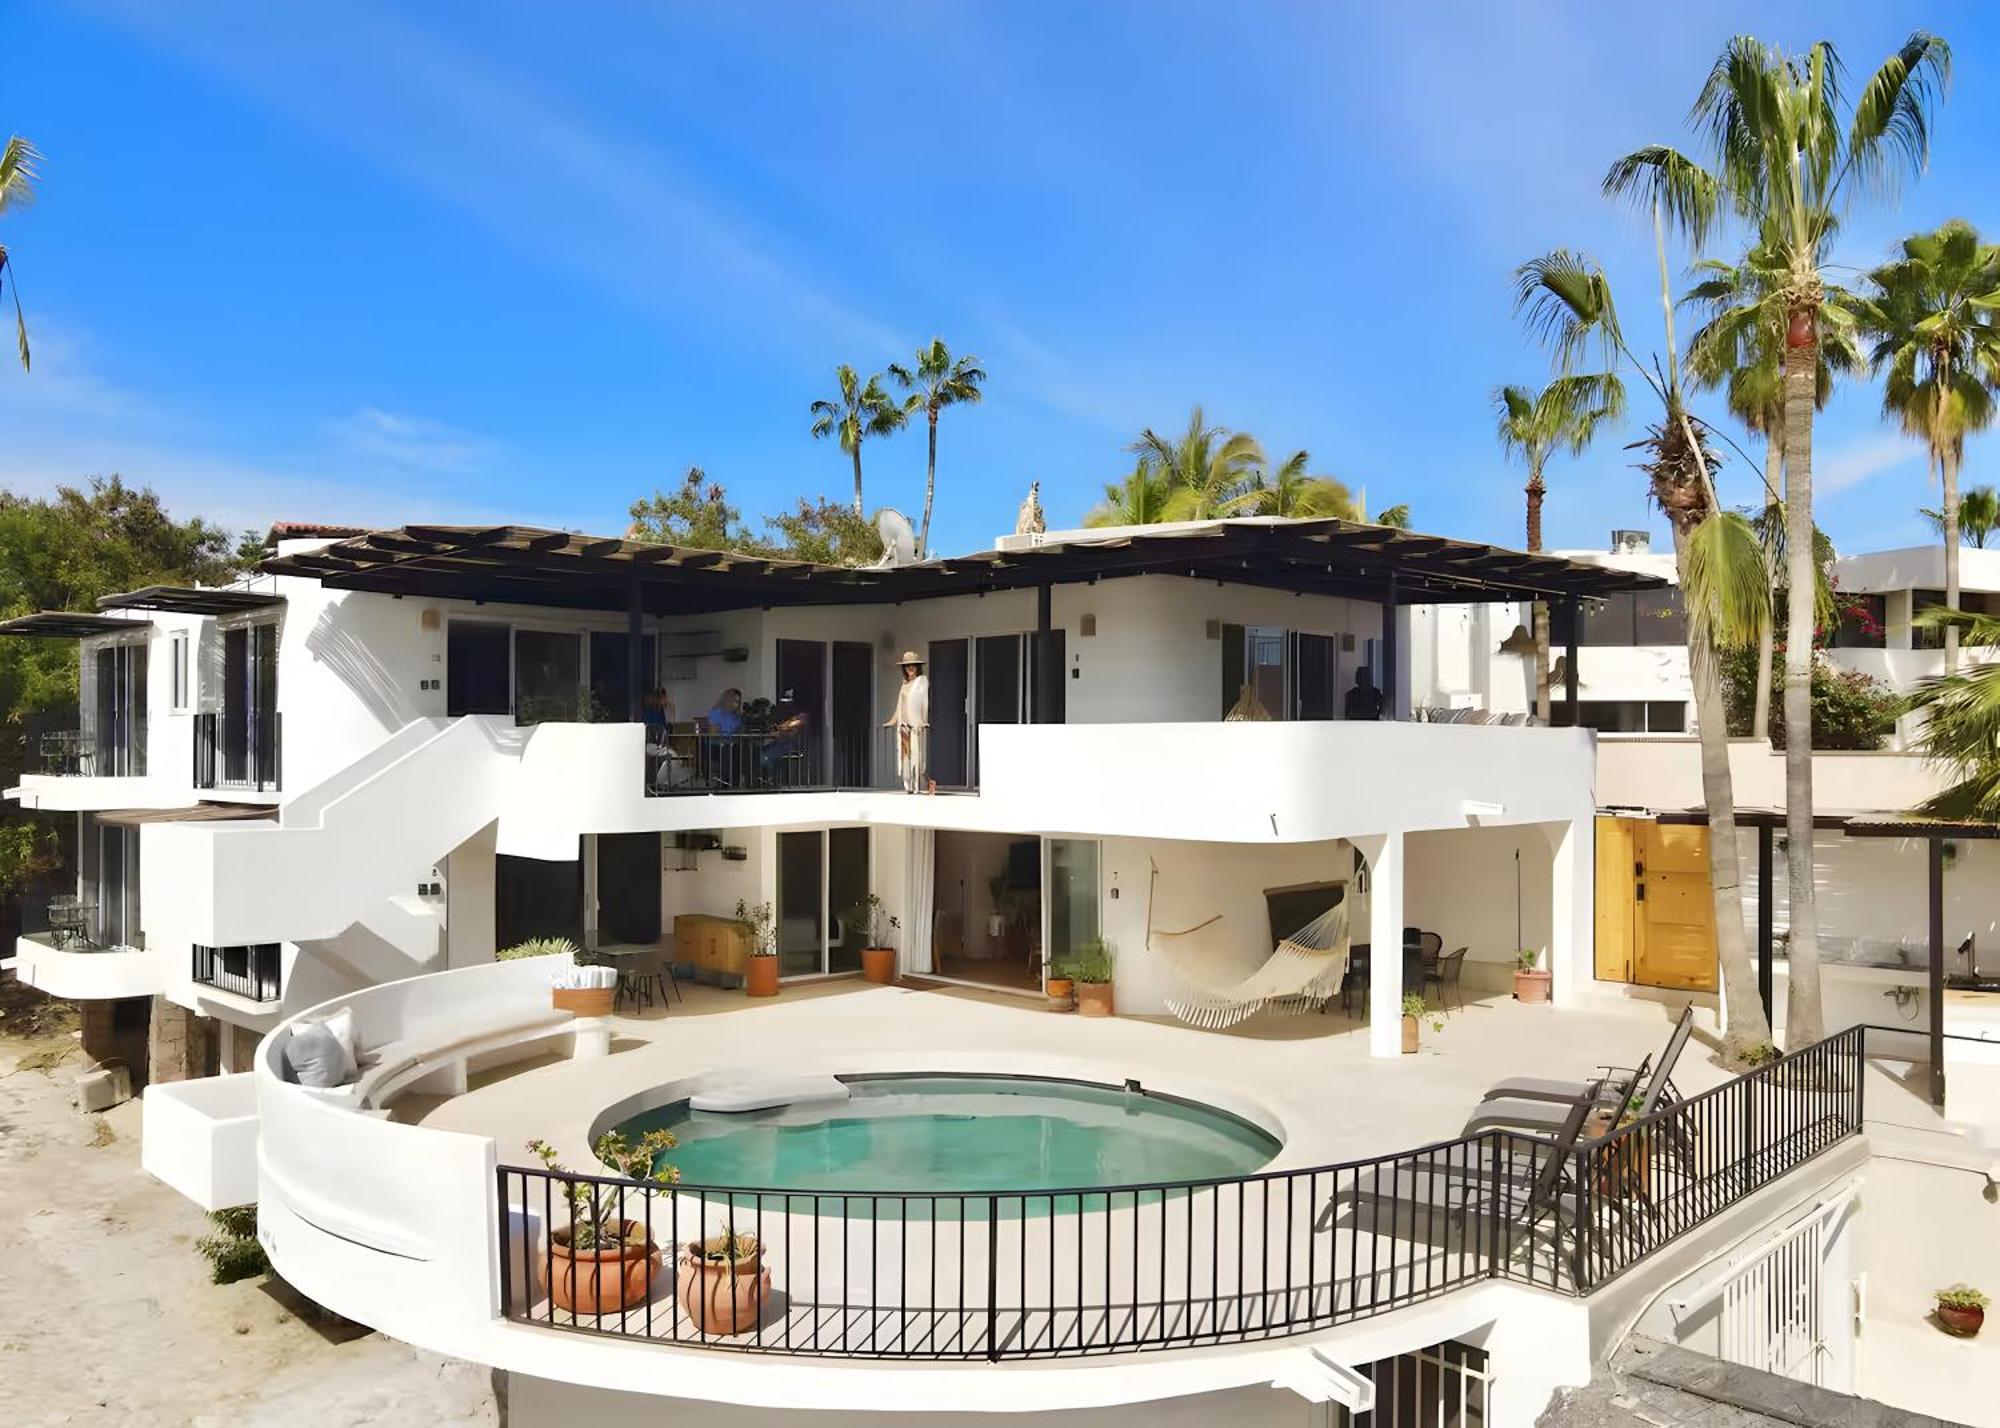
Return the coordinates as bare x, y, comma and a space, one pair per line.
1961, 1309
1061, 987
878, 928
723, 1283
583, 988
602, 1260
761, 977
1416, 1011
1090, 969
1531, 982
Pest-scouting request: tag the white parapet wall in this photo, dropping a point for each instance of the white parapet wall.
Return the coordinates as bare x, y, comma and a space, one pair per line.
78, 975
200, 1137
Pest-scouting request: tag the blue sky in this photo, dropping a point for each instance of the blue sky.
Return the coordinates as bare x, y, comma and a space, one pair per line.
378, 263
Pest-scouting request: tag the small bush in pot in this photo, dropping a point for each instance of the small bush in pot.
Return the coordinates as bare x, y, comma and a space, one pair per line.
1531, 982
1090, 967
585, 987
878, 927
723, 1283
1060, 985
1961, 1309
602, 1260
761, 978
1415, 1012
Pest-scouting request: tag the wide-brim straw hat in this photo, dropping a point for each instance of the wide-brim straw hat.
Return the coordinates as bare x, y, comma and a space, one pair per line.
910, 657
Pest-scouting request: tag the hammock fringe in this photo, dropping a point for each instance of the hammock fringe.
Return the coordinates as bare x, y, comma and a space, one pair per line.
1301, 972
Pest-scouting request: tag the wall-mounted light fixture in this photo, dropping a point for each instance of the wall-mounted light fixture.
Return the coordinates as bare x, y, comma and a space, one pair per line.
1086, 626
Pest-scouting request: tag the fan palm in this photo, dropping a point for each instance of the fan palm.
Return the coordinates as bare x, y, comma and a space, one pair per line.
1740, 348
1978, 515
1139, 500
1205, 468
1961, 728
1931, 315
1786, 167
1567, 301
1563, 416
19, 167
857, 411
1290, 491
938, 381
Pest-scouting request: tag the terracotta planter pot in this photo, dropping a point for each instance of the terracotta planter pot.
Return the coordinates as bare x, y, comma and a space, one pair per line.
878, 964
761, 978
1410, 1042
1094, 998
1062, 993
1531, 986
600, 1281
1962, 1322
723, 1298
1625, 1167
583, 1001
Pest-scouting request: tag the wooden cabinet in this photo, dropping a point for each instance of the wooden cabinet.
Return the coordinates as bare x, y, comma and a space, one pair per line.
718, 948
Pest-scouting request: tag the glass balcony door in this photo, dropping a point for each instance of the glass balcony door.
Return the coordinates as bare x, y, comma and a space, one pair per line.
822, 877
247, 736
115, 712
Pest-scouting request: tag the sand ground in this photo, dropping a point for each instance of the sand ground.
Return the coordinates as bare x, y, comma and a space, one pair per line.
107, 1315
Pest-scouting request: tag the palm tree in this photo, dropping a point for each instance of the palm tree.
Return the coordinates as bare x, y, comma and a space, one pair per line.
1931, 315
1786, 168
1961, 728
1978, 515
1563, 416
1205, 468
1397, 516
1291, 492
1740, 348
1139, 500
938, 381
1725, 584
19, 167
858, 411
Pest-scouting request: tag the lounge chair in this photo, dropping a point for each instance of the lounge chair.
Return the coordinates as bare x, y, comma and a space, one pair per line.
1535, 1088
1541, 1117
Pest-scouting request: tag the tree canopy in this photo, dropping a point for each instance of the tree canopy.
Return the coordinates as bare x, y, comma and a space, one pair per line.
698, 513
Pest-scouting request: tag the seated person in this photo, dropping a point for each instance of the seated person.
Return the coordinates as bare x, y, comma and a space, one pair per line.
656, 714
727, 715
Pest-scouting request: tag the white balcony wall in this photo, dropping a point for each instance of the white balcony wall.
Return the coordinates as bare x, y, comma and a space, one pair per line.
1665, 773
85, 975
200, 1137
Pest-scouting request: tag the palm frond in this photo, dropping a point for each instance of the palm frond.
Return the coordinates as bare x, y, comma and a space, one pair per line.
1727, 580
1891, 132
1685, 193
1564, 300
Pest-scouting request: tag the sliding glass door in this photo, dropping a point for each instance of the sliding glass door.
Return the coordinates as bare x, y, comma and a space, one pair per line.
822, 879
548, 676
1073, 906
115, 712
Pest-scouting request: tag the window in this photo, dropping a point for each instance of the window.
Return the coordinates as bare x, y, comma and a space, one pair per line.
114, 711
183, 672
252, 972
1633, 716
1294, 675
1930, 637
1644, 618
1862, 618
548, 676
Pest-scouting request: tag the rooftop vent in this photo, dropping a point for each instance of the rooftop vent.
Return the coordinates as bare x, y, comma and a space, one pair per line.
1631, 542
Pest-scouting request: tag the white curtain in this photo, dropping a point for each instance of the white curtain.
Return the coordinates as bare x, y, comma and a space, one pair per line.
919, 897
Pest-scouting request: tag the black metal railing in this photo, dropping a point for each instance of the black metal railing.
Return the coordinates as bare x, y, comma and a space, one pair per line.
250, 760
773, 762
1086, 1271
65, 753
253, 971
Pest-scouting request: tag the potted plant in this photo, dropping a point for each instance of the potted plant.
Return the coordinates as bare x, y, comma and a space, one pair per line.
1961, 1309
1061, 987
1627, 1158
1531, 983
1090, 968
723, 1283
878, 928
602, 1261
1414, 1012
761, 977
583, 988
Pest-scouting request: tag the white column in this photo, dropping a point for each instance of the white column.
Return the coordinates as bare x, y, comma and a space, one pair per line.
1384, 852
1572, 911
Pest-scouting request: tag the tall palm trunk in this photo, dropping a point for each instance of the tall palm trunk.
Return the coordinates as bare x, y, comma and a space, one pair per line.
857, 478
1948, 469
930, 491
1805, 1022
1746, 1025
1540, 617
1774, 465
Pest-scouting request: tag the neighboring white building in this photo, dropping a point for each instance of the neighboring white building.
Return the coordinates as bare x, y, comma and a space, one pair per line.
346, 782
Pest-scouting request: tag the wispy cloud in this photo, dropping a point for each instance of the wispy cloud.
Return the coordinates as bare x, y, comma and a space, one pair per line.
1849, 466
414, 444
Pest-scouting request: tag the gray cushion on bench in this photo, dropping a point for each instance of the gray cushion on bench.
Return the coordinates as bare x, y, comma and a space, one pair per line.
315, 1057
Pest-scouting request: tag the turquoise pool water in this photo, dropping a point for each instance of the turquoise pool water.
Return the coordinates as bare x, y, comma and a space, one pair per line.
947, 1133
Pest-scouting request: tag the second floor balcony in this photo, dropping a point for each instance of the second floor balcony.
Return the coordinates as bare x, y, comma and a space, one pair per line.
237, 752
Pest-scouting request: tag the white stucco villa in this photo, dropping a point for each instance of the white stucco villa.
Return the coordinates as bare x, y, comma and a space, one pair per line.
335, 790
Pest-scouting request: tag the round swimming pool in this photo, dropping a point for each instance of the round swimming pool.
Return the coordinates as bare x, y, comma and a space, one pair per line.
930, 1133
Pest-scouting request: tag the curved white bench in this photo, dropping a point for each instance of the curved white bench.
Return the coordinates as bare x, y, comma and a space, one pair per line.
393, 1067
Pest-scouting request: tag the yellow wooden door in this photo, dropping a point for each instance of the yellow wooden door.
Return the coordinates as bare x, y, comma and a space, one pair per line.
1617, 903
1674, 930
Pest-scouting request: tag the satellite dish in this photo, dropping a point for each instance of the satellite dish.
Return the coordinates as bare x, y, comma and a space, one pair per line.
899, 541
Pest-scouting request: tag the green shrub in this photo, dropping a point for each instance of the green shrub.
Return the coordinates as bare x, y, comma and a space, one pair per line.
539, 947
1850, 710
1091, 963
233, 1253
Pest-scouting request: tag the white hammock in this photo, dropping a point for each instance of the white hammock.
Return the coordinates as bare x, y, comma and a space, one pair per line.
1306, 968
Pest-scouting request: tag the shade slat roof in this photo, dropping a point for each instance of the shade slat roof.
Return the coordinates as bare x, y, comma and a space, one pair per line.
530, 565
68, 624
190, 600
193, 813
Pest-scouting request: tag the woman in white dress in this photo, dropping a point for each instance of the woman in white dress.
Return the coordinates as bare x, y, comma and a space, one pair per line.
912, 723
